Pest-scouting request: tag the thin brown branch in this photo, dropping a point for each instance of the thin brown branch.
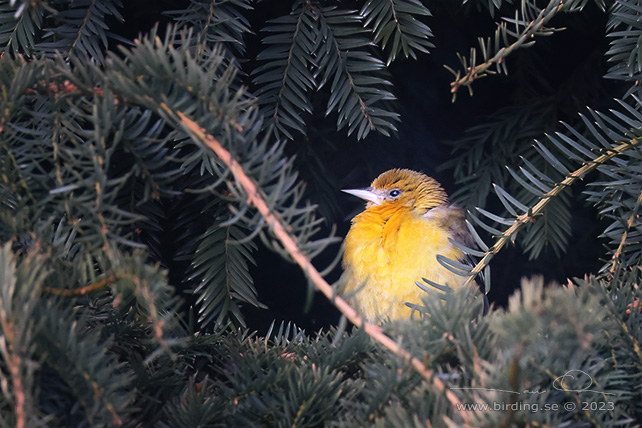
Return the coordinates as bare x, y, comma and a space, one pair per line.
83, 290
289, 244
474, 72
633, 340
13, 360
629, 225
13, 365
537, 209
142, 289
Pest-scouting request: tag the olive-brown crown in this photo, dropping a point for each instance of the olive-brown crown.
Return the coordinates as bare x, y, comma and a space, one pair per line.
416, 190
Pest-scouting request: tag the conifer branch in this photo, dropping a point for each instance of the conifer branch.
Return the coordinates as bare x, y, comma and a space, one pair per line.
536, 27
12, 348
629, 224
13, 362
280, 231
82, 290
521, 220
631, 337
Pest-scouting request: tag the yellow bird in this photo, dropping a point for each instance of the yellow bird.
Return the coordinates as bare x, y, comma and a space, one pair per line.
396, 240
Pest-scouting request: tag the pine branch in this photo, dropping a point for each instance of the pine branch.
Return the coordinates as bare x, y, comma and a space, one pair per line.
18, 25
552, 228
80, 29
83, 290
357, 91
625, 51
19, 287
217, 22
623, 241
220, 273
536, 210
314, 46
197, 406
395, 21
98, 384
617, 194
285, 79
529, 22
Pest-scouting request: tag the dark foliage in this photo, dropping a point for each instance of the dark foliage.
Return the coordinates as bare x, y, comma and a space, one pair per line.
130, 253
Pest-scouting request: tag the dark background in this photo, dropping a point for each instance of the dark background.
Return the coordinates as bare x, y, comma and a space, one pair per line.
567, 68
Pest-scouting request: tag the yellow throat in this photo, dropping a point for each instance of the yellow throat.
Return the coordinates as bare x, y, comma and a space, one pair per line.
395, 241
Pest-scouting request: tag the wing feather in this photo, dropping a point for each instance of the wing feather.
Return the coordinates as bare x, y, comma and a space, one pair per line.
454, 219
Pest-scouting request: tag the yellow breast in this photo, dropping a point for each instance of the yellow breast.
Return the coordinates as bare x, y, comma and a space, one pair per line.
388, 248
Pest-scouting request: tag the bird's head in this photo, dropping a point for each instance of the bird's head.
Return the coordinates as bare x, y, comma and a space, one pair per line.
403, 187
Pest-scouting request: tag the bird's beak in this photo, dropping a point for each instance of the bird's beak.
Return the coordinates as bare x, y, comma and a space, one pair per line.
367, 193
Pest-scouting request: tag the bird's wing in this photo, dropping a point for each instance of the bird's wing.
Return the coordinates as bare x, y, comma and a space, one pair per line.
453, 218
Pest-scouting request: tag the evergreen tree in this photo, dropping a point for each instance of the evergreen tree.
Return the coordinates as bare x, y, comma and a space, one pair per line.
140, 179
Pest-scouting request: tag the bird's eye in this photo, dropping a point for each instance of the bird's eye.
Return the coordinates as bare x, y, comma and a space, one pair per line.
394, 193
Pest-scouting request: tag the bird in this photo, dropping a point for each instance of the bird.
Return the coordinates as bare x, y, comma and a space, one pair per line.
395, 241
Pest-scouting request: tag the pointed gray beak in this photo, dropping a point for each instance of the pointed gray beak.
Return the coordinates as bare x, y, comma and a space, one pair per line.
367, 193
